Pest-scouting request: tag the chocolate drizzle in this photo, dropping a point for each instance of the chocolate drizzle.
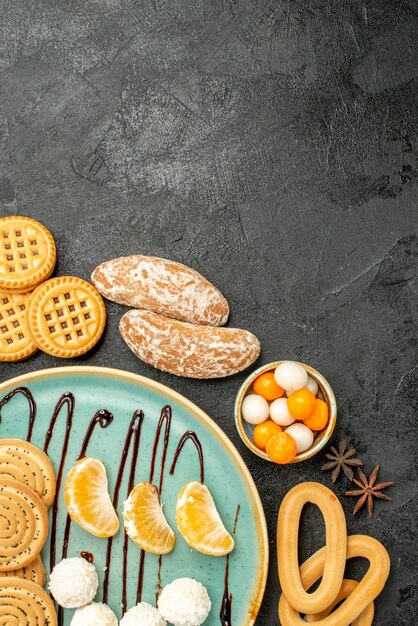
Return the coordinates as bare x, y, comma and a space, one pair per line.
134, 428
32, 406
68, 400
166, 416
88, 556
190, 434
226, 604
102, 417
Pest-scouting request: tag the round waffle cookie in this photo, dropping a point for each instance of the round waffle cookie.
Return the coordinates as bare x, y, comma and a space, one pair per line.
27, 253
23, 525
35, 572
24, 462
66, 316
24, 603
15, 340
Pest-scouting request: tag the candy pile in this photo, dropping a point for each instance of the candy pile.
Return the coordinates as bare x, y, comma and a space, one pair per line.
285, 426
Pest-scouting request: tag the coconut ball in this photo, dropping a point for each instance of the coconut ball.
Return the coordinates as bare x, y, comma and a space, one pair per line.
143, 614
184, 602
73, 583
95, 614
302, 435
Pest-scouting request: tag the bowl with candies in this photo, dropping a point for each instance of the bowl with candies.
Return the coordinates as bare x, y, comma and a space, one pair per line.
285, 412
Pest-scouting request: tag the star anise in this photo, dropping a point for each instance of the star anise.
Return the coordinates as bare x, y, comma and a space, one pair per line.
341, 459
368, 490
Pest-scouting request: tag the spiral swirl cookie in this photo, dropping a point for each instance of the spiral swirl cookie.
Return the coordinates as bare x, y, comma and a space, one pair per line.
16, 342
27, 253
66, 316
35, 572
24, 462
23, 525
24, 603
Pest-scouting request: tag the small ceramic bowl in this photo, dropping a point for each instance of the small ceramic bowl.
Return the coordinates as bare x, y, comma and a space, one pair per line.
321, 438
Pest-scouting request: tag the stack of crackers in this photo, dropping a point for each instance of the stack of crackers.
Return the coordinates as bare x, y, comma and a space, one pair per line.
27, 490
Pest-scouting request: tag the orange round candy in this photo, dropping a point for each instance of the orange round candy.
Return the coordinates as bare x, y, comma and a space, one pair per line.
301, 404
319, 418
281, 448
265, 385
264, 432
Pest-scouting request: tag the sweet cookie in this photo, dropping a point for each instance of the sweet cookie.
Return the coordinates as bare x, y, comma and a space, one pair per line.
27, 253
15, 340
66, 316
24, 603
24, 462
23, 525
161, 286
35, 572
185, 349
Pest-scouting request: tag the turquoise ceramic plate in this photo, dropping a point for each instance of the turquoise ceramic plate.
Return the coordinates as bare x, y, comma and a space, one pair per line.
226, 475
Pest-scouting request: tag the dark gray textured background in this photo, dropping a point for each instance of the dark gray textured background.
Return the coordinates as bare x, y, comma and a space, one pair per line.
269, 145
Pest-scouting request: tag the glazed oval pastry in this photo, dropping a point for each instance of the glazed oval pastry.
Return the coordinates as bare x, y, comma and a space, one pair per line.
287, 547
185, 349
161, 286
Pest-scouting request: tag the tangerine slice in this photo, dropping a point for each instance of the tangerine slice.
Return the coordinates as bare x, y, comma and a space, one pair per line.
199, 522
145, 522
87, 498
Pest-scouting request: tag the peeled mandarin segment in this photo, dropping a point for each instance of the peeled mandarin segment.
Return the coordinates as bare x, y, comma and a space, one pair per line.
364, 619
16, 342
319, 418
87, 498
301, 404
145, 522
287, 547
364, 593
265, 385
27, 253
200, 523
24, 462
25, 603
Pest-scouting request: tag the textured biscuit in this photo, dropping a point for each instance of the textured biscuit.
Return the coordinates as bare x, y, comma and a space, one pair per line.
16, 342
23, 525
24, 462
185, 349
24, 603
35, 572
27, 253
66, 316
161, 286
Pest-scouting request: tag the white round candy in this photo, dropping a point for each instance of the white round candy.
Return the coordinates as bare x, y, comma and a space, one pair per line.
312, 385
255, 409
291, 375
279, 412
302, 435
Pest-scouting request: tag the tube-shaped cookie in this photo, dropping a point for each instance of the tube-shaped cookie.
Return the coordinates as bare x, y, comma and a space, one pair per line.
364, 619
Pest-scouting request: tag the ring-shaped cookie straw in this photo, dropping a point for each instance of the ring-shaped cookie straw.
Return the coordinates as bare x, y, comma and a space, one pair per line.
366, 591
287, 547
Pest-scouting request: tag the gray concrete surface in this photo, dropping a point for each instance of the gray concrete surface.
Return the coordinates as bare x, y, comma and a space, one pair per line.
270, 145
